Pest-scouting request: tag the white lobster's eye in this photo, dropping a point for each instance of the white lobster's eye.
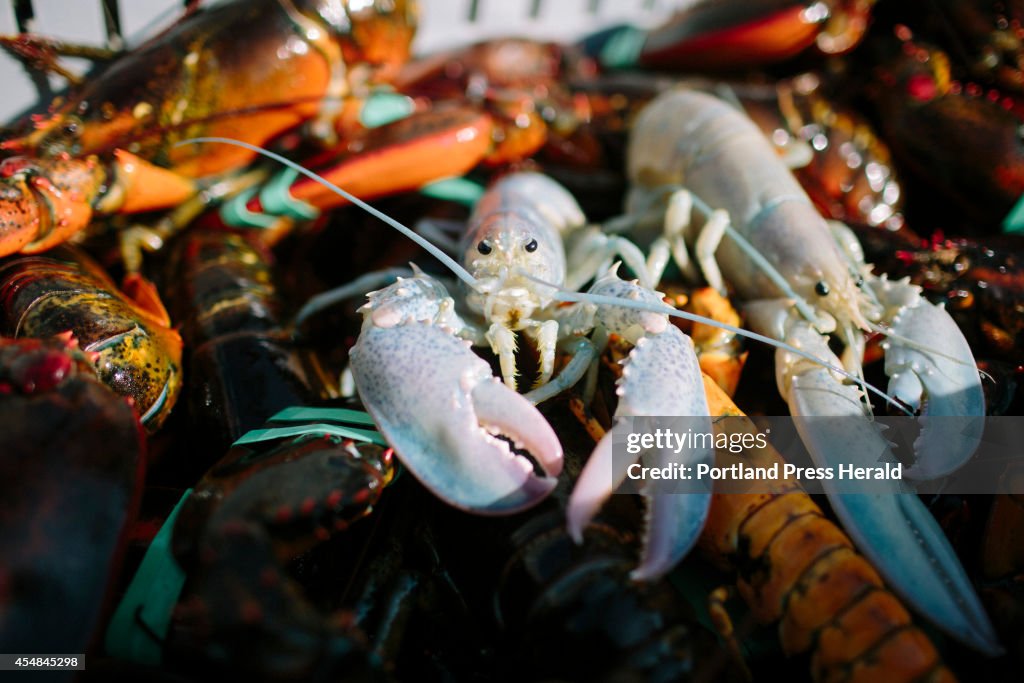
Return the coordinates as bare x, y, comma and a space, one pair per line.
821, 289
484, 248
531, 246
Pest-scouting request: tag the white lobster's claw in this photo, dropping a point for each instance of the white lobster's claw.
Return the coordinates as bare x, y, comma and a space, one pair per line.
451, 423
889, 525
931, 368
660, 377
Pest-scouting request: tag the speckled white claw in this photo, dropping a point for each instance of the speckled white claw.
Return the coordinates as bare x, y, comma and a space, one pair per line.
437, 404
452, 424
931, 368
660, 377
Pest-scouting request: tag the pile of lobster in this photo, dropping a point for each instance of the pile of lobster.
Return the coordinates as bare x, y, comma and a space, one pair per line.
291, 439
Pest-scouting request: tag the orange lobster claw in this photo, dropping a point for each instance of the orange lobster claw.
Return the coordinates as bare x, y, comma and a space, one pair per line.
146, 187
404, 155
20, 218
46, 201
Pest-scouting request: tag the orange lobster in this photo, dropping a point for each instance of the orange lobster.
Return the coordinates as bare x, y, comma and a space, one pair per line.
254, 71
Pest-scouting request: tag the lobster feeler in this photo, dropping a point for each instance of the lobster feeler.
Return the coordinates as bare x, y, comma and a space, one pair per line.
448, 261
576, 297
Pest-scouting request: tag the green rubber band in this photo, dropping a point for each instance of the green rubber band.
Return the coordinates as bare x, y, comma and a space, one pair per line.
143, 616
382, 108
319, 428
1013, 224
141, 620
622, 51
459, 190
337, 415
236, 214
277, 200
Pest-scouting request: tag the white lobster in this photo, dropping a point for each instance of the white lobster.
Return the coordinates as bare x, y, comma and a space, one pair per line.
409, 353
514, 248
802, 279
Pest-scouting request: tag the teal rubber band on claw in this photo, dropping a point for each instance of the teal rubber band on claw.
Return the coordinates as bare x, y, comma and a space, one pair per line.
382, 108
1013, 224
236, 214
315, 421
277, 200
459, 190
143, 616
319, 429
306, 414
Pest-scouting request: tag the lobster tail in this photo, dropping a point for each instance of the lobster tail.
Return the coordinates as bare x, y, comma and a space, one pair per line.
798, 568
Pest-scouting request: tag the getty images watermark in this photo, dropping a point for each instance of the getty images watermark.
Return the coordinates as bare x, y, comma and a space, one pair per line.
847, 455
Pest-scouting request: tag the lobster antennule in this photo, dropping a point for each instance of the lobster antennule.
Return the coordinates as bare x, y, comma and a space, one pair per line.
448, 261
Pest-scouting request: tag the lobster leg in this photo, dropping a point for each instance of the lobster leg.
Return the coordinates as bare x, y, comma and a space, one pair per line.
459, 431
592, 252
583, 354
677, 220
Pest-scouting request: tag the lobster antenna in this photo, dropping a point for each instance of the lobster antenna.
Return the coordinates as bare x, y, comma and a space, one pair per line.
917, 346
601, 300
444, 258
561, 294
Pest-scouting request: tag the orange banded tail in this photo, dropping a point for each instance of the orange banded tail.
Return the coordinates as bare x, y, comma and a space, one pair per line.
798, 568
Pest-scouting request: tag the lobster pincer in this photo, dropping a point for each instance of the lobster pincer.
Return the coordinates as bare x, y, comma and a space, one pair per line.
657, 380
886, 521
931, 368
468, 438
